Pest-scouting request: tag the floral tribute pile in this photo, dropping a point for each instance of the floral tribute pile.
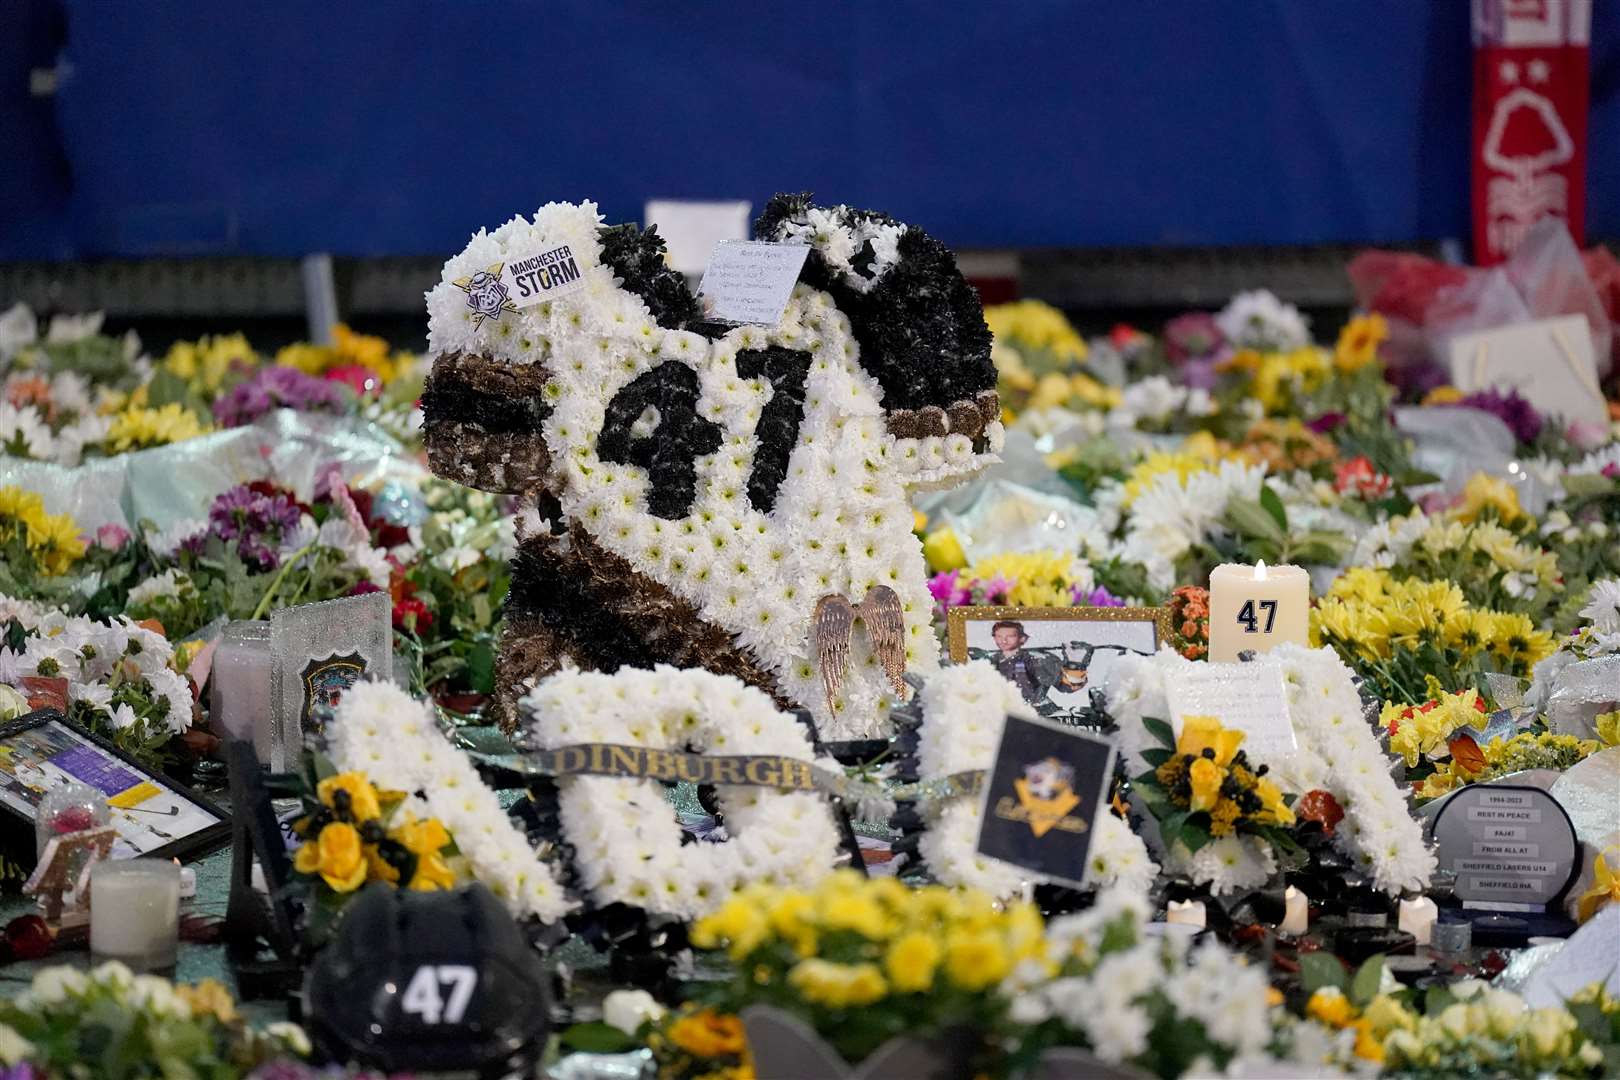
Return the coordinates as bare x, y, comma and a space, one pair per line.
635, 514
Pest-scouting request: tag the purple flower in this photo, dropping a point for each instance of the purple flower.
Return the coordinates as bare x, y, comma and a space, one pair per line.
1518, 414
258, 523
20, 1071
946, 592
278, 387
1328, 421
1193, 336
1098, 597
1612, 470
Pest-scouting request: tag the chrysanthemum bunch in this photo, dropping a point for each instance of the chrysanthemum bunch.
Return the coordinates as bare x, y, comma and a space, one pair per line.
136, 428
1152, 1002
1397, 634
1023, 578
34, 541
863, 959
1426, 731
68, 1019
119, 677
1494, 566
1510, 754
1483, 1031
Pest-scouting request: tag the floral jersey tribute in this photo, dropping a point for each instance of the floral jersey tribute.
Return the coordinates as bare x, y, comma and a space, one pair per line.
695, 488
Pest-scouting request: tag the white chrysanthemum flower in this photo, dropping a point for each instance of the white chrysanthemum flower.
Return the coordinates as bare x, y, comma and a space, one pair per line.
24, 432
160, 586
1602, 608
1258, 320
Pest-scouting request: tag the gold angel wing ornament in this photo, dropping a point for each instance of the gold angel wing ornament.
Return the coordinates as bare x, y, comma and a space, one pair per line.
885, 626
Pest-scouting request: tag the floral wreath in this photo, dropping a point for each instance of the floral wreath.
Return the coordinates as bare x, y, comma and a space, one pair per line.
704, 484
627, 847
381, 731
963, 710
1338, 752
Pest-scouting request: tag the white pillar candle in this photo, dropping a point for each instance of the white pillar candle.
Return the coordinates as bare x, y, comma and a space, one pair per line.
135, 912
1417, 918
243, 704
1257, 607
1296, 912
1190, 912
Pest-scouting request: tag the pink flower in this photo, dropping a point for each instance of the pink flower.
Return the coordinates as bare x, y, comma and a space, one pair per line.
362, 380
112, 536
945, 590
997, 589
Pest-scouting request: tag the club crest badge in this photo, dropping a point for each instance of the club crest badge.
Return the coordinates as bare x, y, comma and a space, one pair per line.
486, 293
324, 681
1042, 796
1045, 798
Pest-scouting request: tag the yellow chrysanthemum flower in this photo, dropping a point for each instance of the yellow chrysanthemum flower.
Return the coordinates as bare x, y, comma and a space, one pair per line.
1037, 325
1491, 492
206, 362
1042, 578
137, 428
1182, 463
1358, 342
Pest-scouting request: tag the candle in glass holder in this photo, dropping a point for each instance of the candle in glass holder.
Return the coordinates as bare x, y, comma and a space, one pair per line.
1417, 917
1257, 608
243, 701
135, 912
1190, 912
1296, 912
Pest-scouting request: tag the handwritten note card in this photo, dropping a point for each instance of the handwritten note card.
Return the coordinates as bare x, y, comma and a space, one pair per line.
751, 281
1248, 697
1548, 361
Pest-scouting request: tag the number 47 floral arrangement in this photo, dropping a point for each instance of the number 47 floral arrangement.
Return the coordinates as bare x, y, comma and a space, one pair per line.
1202, 785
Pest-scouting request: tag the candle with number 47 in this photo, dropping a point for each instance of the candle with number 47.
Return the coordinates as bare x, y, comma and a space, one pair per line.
1257, 607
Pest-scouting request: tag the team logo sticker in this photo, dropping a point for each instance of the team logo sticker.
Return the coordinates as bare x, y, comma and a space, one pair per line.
486, 293
324, 681
1045, 789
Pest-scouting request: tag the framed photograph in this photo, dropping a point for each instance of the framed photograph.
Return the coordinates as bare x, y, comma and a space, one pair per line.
153, 816
1055, 655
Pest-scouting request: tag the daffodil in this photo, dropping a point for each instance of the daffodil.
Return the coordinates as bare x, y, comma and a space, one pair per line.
1605, 887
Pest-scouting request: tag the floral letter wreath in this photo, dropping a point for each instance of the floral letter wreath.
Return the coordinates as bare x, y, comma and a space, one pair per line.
964, 708
700, 486
627, 844
1337, 753
391, 737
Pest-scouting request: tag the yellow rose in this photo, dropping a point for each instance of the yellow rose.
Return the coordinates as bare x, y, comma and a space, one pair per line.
1199, 733
363, 804
1273, 811
1205, 777
944, 551
336, 855
911, 961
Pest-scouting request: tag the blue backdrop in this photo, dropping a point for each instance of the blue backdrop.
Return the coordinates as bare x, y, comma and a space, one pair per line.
368, 127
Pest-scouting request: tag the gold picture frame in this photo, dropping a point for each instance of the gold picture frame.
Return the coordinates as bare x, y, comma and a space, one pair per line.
1072, 678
